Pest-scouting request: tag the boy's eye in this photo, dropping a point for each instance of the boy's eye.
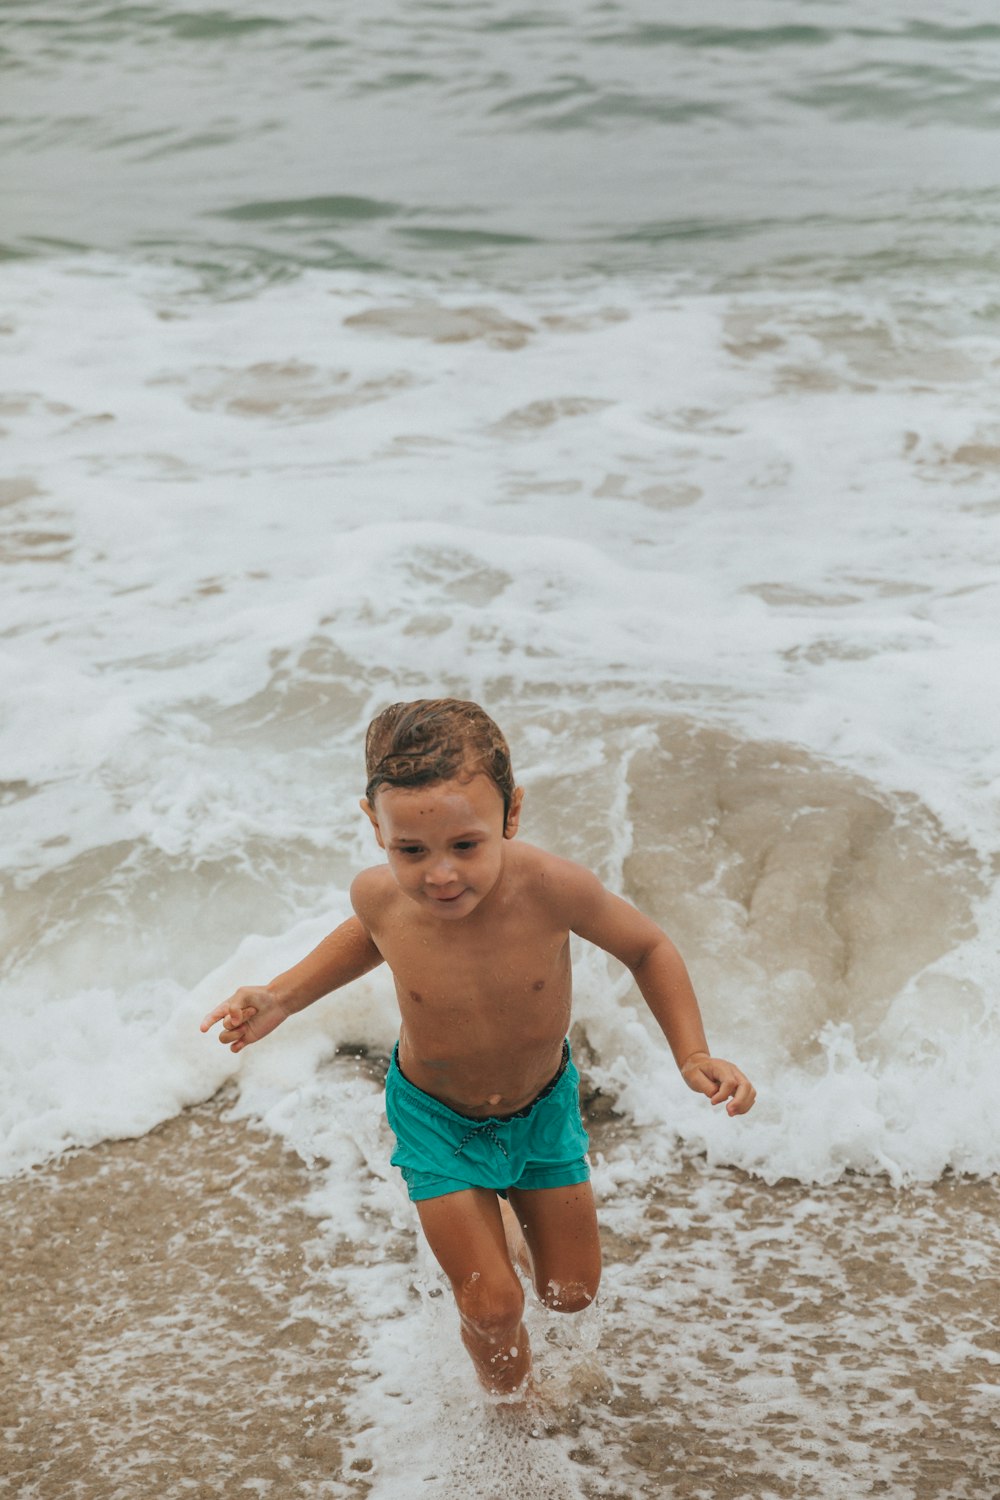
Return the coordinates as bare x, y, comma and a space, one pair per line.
410, 849
466, 844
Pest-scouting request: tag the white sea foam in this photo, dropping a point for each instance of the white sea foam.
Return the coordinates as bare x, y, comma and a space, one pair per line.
232, 531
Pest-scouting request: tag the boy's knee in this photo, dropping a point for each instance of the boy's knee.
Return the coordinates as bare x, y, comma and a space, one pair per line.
490, 1307
568, 1296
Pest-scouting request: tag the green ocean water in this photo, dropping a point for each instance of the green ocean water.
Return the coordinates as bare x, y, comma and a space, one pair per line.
778, 143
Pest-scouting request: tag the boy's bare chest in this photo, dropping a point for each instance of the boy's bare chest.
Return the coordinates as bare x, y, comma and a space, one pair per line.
483, 1006
505, 970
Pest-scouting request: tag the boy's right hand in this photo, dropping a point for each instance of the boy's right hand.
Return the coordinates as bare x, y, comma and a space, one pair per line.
246, 1016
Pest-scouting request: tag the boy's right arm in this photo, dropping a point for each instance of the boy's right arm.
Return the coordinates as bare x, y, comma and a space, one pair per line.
255, 1010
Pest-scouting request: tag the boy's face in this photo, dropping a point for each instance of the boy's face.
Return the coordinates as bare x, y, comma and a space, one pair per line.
445, 841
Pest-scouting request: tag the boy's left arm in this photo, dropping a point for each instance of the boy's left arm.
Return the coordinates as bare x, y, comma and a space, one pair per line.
663, 981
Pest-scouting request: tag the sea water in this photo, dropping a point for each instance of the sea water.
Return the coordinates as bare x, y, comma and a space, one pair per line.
631, 373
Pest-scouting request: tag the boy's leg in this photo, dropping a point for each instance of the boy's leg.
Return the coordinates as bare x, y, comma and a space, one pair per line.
560, 1229
517, 1247
466, 1234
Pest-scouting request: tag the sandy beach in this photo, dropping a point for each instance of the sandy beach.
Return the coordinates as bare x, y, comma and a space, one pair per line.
177, 1326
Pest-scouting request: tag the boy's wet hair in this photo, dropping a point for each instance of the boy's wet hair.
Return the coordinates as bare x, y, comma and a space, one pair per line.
436, 739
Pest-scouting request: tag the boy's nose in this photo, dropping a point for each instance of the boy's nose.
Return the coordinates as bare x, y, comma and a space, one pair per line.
441, 873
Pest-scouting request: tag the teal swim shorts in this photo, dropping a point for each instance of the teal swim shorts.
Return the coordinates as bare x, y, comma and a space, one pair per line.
440, 1151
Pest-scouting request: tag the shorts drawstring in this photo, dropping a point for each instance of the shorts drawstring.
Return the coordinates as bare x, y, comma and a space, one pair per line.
491, 1133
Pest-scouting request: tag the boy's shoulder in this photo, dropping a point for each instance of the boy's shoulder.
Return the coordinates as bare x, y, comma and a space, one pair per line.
550, 877
372, 889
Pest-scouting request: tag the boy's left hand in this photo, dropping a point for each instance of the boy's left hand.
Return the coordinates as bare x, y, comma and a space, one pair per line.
719, 1080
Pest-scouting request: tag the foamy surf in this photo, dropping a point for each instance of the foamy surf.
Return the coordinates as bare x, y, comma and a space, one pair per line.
730, 607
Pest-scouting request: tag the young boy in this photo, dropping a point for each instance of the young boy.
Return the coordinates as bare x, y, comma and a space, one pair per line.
482, 1092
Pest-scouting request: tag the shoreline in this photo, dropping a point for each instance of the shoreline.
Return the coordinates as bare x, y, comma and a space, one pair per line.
177, 1324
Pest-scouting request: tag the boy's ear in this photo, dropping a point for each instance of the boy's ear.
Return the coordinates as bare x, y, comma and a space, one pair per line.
369, 813
514, 813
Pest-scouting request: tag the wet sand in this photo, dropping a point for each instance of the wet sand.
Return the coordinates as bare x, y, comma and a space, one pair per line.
165, 1320
175, 1326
